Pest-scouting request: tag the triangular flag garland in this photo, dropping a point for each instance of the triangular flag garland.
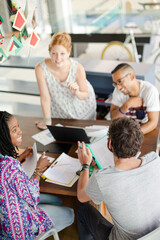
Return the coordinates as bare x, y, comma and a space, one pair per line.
13, 14
3, 54
1, 20
19, 37
1, 37
14, 46
34, 21
24, 33
34, 39
19, 21
12, 18
14, 10
18, 4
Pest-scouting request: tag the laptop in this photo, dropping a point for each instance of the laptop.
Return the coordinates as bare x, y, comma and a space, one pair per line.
53, 147
68, 134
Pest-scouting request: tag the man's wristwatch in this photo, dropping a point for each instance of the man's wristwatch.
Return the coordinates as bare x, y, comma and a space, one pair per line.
85, 166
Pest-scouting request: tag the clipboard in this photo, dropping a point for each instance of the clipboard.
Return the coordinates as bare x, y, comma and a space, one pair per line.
63, 171
100, 153
94, 157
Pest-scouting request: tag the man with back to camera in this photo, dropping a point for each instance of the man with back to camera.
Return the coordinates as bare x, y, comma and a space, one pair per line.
134, 98
130, 189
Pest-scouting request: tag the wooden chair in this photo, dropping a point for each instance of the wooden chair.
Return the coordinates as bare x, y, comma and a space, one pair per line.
51, 232
154, 235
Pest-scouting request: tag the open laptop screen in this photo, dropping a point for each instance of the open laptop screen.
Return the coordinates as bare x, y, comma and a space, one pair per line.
68, 134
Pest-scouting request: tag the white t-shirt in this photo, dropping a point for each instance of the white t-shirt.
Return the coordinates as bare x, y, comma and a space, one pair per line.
150, 96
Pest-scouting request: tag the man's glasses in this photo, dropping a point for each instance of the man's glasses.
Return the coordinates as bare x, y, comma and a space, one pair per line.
120, 80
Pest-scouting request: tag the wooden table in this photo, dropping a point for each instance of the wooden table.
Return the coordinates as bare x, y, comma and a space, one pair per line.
27, 125
67, 194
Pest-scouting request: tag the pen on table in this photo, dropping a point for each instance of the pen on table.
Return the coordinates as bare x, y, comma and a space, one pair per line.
54, 165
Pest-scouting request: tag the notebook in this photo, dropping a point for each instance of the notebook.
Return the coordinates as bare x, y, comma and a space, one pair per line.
31, 162
68, 134
63, 171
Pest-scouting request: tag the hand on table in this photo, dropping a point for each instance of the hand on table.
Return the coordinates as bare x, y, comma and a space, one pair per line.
41, 125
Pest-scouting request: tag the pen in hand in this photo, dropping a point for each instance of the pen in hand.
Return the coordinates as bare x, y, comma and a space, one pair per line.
80, 146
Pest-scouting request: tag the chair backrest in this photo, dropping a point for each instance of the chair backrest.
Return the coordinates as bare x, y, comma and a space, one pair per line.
154, 235
51, 232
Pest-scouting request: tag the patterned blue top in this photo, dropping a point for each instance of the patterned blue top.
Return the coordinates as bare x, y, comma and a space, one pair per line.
20, 217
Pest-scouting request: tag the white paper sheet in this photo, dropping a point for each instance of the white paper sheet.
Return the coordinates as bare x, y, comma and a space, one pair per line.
31, 162
63, 171
44, 137
96, 131
102, 153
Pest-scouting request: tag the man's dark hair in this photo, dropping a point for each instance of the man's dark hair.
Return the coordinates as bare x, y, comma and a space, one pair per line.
126, 137
122, 66
6, 146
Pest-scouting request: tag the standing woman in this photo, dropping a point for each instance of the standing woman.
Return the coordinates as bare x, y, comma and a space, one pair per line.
20, 217
64, 89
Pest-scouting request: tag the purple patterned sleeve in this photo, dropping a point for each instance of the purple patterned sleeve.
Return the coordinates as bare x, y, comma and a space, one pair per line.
19, 182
